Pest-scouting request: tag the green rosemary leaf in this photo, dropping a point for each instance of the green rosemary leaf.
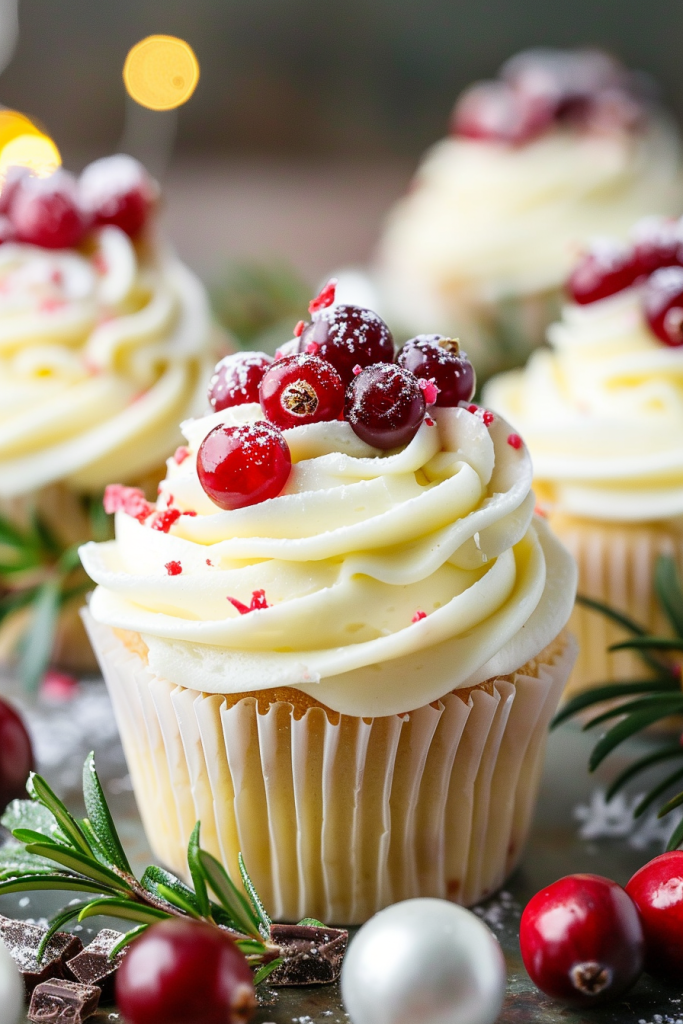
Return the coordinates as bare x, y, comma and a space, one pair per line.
69, 559
100, 522
668, 703
256, 903
43, 537
675, 802
266, 969
198, 880
100, 817
251, 947
609, 691
622, 620
656, 791
655, 643
232, 901
177, 900
668, 589
155, 876
27, 835
12, 535
129, 910
675, 750
676, 837
311, 922
126, 939
27, 883
16, 600
37, 642
39, 790
98, 851
629, 726
57, 922
69, 593
75, 861
30, 814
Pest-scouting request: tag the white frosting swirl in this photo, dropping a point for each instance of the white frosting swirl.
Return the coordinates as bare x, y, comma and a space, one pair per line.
356, 545
602, 413
485, 221
101, 356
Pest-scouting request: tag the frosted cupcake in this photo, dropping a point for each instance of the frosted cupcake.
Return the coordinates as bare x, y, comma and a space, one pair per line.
602, 413
338, 641
106, 343
564, 145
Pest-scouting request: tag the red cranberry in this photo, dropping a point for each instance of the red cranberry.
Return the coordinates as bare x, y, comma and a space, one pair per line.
236, 379
657, 244
604, 271
16, 755
10, 185
185, 972
118, 190
657, 891
299, 390
492, 111
582, 940
433, 356
46, 211
663, 304
240, 466
385, 405
347, 336
562, 77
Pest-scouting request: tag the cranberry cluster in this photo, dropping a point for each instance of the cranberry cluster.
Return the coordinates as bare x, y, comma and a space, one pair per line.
543, 88
340, 365
57, 212
654, 261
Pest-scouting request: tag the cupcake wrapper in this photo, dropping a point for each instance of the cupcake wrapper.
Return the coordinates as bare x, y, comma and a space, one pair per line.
336, 816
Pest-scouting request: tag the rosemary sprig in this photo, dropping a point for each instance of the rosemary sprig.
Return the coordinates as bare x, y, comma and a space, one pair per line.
260, 303
655, 698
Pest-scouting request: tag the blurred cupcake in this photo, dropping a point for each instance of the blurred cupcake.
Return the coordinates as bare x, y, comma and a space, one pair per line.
602, 413
564, 145
338, 642
106, 342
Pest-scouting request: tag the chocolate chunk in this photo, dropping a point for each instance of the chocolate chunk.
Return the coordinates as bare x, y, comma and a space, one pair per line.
63, 1002
313, 956
23, 940
93, 967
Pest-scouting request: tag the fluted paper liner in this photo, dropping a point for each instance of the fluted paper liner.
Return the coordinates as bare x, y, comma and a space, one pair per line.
336, 816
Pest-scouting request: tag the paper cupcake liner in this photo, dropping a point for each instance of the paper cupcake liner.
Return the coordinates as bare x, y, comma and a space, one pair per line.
336, 816
616, 566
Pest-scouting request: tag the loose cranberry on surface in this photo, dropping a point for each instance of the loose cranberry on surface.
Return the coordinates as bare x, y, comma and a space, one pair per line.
240, 466
118, 190
663, 304
16, 755
493, 112
385, 405
657, 243
605, 270
432, 355
657, 891
236, 379
47, 212
185, 972
299, 390
346, 336
582, 940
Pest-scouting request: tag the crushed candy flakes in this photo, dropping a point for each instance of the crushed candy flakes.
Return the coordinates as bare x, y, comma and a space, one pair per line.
118, 498
258, 602
299, 328
325, 297
429, 389
429, 421
419, 614
488, 417
189, 512
357, 369
209, 562
312, 348
173, 568
515, 441
473, 408
163, 521
181, 453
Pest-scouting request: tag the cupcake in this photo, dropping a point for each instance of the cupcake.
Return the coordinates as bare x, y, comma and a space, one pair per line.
338, 637
602, 413
106, 342
562, 146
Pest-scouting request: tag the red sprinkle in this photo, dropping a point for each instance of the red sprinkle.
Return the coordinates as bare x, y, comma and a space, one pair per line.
473, 408
189, 512
312, 348
209, 562
181, 454
173, 568
325, 298
419, 614
163, 521
357, 369
258, 602
299, 328
50, 305
58, 686
429, 421
131, 500
515, 441
488, 418
429, 389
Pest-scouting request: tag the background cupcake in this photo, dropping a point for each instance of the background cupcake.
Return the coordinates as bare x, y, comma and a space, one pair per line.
106, 341
345, 667
564, 145
602, 413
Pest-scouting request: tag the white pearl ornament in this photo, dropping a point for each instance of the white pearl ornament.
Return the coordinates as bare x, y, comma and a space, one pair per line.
11, 988
426, 961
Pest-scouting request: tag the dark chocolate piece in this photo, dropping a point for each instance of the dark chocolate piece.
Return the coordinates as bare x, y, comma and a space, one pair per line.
22, 941
63, 1002
313, 956
92, 966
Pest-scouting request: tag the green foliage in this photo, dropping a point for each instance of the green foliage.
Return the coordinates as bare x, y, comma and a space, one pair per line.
259, 304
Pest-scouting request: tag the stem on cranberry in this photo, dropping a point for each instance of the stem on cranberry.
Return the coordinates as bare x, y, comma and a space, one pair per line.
385, 405
435, 356
241, 466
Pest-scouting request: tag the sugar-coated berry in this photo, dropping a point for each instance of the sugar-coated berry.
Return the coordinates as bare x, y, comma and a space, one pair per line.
118, 190
346, 336
385, 405
240, 466
582, 940
13, 178
185, 972
16, 755
663, 304
236, 379
658, 242
47, 211
607, 269
563, 77
657, 891
434, 356
299, 390
493, 112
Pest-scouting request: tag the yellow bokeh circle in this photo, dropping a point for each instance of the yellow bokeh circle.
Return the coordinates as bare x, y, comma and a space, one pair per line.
38, 152
161, 72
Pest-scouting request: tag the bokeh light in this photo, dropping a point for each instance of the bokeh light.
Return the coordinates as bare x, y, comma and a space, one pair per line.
22, 143
161, 72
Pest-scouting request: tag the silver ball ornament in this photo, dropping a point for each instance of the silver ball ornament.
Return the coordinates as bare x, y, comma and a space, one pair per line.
11, 989
424, 960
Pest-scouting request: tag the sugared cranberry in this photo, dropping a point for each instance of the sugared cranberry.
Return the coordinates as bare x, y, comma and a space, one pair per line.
118, 190
346, 336
185, 972
582, 940
47, 212
10, 185
240, 466
658, 243
16, 755
605, 270
236, 379
299, 390
663, 304
657, 891
492, 111
563, 78
385, 405
433, 356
